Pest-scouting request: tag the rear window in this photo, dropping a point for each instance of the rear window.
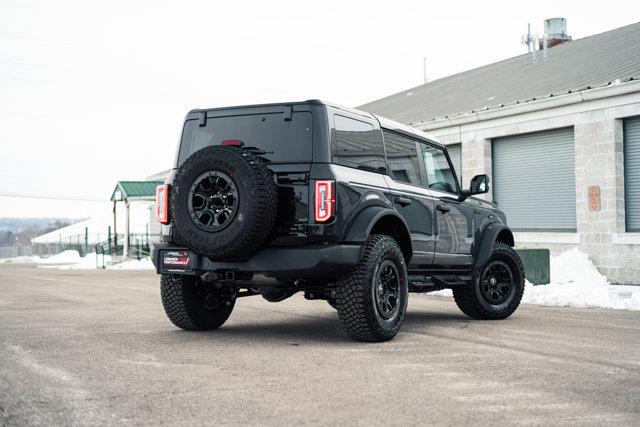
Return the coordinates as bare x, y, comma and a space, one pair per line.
357, 145
284, 141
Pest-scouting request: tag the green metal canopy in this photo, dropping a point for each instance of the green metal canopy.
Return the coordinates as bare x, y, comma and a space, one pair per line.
132, 190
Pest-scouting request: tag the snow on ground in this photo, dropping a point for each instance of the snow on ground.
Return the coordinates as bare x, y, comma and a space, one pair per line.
87, 262
575, 282
65, 257
133, 264
24, 259
91, 261
71, 260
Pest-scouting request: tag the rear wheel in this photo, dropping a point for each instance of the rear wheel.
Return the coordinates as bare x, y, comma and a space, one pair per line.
372, 299
497, 287
195, 305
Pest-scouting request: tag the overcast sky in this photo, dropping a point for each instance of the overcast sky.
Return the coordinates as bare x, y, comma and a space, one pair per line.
94, 92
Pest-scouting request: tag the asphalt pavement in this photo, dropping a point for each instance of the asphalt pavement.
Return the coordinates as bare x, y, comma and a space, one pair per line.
94, 347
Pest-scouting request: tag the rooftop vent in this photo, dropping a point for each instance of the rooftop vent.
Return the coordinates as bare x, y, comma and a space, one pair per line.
555, 32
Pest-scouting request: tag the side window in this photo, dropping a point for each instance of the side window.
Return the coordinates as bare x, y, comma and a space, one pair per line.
439, 173
357, 144
402, 157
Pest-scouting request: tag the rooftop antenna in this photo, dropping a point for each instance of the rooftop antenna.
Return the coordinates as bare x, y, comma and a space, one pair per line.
528, 39
424, 69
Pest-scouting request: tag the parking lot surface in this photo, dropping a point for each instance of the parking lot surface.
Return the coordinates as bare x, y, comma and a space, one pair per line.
94, 347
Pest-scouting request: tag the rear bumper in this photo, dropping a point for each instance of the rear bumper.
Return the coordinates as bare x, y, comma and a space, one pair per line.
310, 261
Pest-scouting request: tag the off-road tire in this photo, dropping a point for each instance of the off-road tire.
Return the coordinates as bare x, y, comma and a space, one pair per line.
184, 307
255, 214
355, 300
470, 300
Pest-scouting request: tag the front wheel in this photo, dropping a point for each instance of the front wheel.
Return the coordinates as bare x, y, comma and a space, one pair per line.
195, 305
496, 288
372, 299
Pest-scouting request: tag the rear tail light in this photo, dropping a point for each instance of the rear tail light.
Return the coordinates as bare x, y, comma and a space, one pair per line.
325, 202
232, 143
162, 204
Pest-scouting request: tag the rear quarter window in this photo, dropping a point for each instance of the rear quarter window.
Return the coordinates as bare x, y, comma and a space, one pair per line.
357, 144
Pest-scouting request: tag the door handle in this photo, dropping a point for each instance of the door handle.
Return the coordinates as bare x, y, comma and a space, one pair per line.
402, 201
443, 208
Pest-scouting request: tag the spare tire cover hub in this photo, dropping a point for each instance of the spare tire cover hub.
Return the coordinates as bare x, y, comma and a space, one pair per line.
213, 201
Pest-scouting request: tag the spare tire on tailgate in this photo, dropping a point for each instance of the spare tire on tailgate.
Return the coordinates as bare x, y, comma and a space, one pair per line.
224, 202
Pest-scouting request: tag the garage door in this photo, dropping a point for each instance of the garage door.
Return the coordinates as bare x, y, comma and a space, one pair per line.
632, 173
534, 180
455, 152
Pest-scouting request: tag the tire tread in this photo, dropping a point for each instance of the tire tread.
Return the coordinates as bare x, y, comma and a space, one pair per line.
353, 294
467, 300
180, 308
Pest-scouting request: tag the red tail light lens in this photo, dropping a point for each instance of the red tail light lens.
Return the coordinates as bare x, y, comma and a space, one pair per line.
232, 143
325, 201
162, 204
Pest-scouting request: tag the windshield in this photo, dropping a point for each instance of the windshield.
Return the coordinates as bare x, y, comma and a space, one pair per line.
284, 141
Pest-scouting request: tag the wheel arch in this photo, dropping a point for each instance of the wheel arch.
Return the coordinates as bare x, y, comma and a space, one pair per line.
493, 232
379, 220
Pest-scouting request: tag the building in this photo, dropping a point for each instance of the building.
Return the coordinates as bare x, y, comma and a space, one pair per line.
127, 231
558, 132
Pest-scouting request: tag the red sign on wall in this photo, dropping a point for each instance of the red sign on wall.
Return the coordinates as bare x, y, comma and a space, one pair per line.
594, 197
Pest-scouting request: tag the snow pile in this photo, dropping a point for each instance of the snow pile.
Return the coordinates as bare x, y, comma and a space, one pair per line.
65, 257
87, 262
133, 264
575, 282
71, 260
93, 260
24, 259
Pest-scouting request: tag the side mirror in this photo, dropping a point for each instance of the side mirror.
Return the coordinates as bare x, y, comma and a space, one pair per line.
479, 185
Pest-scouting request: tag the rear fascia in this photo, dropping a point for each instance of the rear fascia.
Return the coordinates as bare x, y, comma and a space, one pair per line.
294, 233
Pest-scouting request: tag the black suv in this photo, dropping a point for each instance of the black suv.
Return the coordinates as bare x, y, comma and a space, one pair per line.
340, 204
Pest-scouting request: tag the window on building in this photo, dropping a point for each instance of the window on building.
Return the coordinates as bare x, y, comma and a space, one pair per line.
632, 173
438, 170
402, 156
357, 145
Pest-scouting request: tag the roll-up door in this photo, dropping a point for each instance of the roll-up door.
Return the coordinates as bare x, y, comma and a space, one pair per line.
455, 152
534, 180
632, 173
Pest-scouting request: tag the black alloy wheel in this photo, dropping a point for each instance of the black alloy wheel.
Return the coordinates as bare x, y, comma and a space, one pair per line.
496, 283
213, 201
496, 288
372, 298
387, 289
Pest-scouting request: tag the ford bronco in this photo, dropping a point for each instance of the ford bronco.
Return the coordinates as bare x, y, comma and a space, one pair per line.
342, 205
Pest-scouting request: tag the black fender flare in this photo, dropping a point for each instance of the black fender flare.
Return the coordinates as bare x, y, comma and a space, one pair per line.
361, 226
489, 235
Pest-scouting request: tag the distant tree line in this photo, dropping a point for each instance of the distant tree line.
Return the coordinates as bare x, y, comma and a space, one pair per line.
30, 229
